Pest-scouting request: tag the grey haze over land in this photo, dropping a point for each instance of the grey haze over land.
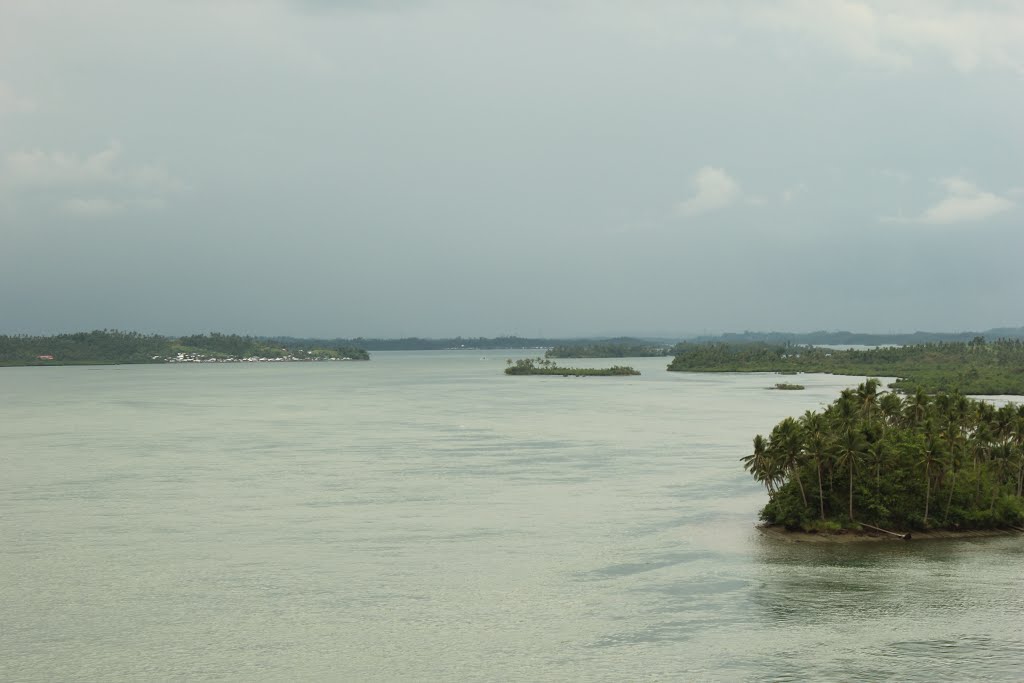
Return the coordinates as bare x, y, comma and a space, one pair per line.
481, 168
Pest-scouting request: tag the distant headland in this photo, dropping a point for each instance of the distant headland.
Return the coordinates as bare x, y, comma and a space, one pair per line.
108, 347
972, 367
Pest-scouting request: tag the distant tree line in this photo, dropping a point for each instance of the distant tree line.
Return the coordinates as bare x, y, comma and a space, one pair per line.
625, 348
617, 347
98, 346
844, 338
974, 367
421, 343
116, 346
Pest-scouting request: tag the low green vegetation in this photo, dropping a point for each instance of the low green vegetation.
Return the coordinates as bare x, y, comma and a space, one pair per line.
786, 386
920, 462
542, 366
974, 367
628, 348
104, 347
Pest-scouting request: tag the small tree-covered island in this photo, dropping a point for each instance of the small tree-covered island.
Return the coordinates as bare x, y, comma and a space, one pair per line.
921, 462
543, 366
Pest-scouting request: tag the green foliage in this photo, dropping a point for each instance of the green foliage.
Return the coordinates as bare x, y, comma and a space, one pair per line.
826, 526
974, 367
98, 346
786, 386
917, 463
114, 346
543, 366
627, 348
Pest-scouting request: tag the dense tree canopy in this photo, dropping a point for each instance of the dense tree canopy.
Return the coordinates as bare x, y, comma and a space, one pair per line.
919, 462
543, 366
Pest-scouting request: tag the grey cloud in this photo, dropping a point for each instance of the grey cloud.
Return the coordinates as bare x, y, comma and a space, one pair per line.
59, 174
467, 168
898, 35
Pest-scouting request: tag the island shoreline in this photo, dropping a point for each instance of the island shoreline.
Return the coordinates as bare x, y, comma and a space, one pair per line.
847, 536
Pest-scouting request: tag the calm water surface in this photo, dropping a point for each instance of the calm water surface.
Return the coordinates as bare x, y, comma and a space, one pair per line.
424, 517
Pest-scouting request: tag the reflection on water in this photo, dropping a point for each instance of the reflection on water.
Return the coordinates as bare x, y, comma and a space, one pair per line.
919, 610
424, 517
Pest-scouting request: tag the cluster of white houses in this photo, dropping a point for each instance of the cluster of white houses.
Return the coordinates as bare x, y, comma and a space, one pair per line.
202, 358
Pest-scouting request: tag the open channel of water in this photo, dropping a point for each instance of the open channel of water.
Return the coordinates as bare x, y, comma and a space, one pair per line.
423, 516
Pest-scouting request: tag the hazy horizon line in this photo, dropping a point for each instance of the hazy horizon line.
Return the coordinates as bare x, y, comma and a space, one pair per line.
593, 335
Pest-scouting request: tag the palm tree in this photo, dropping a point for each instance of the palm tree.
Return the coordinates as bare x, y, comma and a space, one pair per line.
934, 437
918, 406
929, 458
846, 408
758, 464
981, 447
1017, 439
964, 410
816, 445
952, 464
1001, 455
867, 396
892, 408
1003, 423
876, 450
959, 416
786, 444
849, 451
944, 406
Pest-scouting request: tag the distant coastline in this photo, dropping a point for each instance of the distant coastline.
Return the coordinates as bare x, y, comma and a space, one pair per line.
202, 358
120, 347
976, 367
114, 347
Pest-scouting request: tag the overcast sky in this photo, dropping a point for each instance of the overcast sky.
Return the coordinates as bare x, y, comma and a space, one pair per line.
557, 168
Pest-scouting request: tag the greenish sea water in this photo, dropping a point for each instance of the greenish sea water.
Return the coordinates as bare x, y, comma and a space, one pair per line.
425, 517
